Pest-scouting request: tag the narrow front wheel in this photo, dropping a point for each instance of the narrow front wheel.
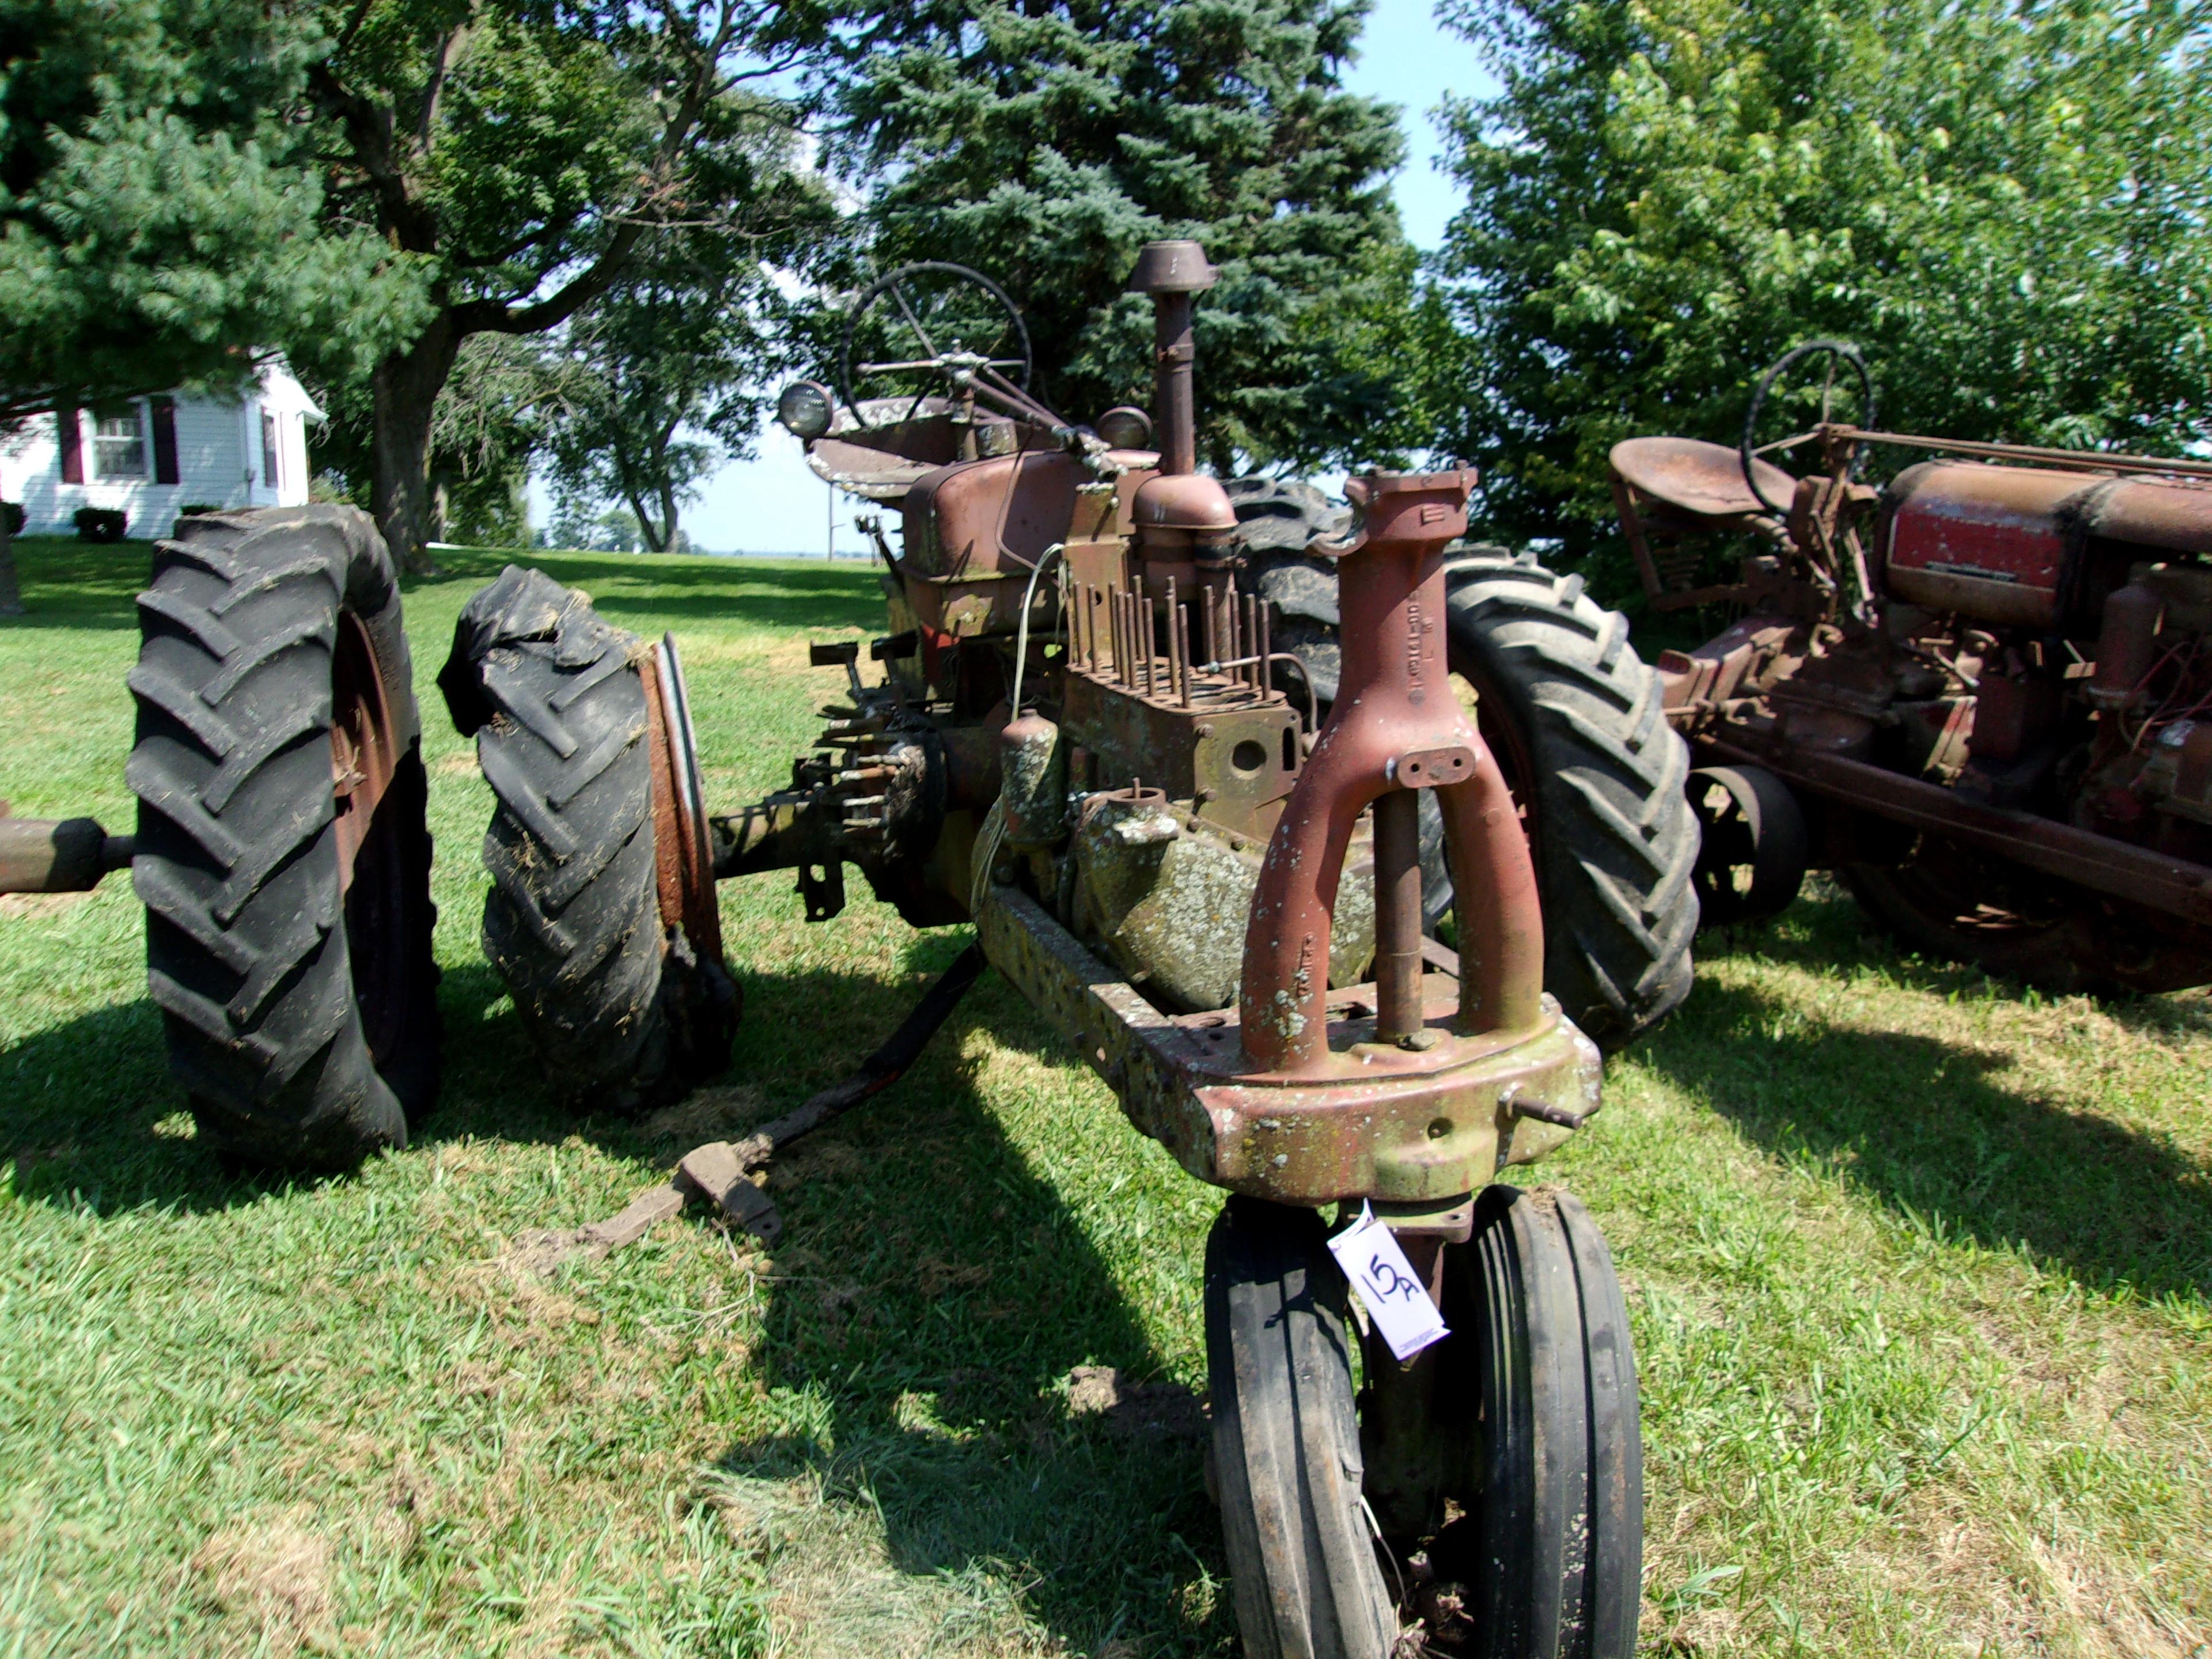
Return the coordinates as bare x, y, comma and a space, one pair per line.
1301, 1553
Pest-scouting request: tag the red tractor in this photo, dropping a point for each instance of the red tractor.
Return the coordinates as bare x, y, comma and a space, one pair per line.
1980, 692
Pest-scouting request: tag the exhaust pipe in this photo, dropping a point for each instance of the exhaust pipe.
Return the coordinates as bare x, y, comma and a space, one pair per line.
1172, 273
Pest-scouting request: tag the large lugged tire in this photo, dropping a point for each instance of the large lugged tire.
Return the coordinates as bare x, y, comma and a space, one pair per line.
626, 1010
1577, 723
282, 854
1286, 1460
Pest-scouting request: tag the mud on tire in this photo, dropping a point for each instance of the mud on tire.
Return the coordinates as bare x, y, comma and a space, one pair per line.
621, 1006
283, 856
1578, 722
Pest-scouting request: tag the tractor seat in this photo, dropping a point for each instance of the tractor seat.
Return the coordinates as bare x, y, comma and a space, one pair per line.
1704, 480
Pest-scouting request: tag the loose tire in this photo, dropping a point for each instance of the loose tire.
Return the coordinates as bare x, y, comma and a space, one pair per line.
1286, 1461
1577, 723
627, 1007
283, 855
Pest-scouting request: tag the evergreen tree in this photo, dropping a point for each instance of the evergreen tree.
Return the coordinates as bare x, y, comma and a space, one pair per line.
157, 218
2003, 201
1043, 141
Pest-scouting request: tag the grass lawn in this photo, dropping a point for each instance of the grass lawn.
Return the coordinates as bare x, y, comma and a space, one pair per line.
1921, 1272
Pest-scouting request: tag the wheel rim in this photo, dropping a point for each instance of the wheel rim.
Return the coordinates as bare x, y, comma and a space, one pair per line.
365, 747
368, 808
683, 858
1752, 848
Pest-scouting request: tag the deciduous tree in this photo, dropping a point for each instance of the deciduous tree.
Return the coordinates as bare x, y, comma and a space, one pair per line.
2004, 201
527, 154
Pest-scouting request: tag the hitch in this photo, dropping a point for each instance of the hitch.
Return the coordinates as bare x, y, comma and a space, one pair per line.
58, 855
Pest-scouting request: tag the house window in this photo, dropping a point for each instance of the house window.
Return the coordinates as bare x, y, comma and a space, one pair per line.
269, 471
119, 444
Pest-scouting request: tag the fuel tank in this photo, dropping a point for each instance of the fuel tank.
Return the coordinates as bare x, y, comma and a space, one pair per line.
1986, 542
2031, 547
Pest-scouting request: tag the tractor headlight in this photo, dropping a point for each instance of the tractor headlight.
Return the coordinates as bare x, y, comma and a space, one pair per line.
1125, 427
806, 409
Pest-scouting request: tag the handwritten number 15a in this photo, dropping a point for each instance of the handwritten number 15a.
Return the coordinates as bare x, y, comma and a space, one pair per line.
1388, 1281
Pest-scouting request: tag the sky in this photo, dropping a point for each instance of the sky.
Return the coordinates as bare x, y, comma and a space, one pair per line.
773, 504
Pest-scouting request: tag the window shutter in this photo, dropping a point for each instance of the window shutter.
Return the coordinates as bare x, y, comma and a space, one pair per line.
72, 451
164, 410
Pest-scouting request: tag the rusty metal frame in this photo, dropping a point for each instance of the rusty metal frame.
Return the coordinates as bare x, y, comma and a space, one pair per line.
2100, 863
1397, 1126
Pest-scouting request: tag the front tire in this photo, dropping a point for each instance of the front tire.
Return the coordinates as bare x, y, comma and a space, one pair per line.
1302, 1559
283, 855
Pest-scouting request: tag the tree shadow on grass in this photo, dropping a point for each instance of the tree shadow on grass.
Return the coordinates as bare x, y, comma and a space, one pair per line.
1826, 931
79, 585
1917, 1122
930, 1297
941, 1293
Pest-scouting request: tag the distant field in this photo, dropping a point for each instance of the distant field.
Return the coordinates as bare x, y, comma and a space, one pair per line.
1921, 1273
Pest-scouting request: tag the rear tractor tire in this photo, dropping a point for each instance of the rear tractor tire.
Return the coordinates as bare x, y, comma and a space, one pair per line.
1578, 724
601, 915
283, 855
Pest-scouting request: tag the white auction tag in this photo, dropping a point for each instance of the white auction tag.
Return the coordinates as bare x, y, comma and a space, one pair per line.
1394, 1295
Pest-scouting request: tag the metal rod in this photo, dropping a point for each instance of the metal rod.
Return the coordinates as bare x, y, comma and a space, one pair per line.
1173, 403
1183, 630
2086, 461
878, 1071
1235, 647
1397, 915
1140, 618
1252, 634
1209, 601
1174, 657
1266, 651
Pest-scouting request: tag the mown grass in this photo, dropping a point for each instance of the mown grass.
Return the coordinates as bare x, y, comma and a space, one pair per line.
1921, 1272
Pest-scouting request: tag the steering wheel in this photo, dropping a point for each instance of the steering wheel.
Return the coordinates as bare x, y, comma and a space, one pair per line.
1837, 352
935, 323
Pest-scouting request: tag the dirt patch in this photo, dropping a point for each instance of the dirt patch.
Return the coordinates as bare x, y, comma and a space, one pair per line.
1132, 1411
273, 1572
709, 1114
40, 904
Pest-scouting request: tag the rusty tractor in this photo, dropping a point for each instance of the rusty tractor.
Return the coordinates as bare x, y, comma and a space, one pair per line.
1331, 844
1336, 846
1980, 692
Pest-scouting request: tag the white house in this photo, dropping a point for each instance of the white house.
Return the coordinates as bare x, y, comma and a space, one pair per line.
154, 455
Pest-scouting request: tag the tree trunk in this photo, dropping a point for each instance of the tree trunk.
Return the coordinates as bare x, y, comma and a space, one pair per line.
406, 385
11, 597
656, 540
668, 532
